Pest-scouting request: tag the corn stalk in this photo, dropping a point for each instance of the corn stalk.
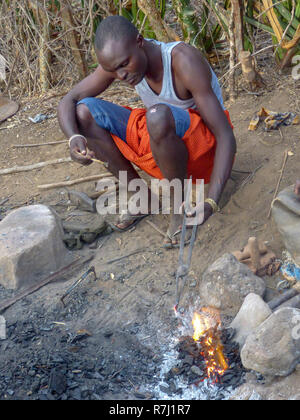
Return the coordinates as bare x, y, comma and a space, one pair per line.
281, 19
188, 22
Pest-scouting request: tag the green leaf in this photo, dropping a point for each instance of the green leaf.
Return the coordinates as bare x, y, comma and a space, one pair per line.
287, 15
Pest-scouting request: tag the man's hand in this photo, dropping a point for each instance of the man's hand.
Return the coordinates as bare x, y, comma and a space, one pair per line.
198, 217
79, 151
297, 187
208, 211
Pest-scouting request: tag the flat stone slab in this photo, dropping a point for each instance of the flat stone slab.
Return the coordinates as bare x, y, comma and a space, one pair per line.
31, 246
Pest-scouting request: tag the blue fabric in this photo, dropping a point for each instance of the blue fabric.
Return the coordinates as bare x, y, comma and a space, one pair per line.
114, 118
182, 119
109, 116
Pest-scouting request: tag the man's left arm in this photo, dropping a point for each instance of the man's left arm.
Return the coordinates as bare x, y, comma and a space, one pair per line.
217, 122
197, 79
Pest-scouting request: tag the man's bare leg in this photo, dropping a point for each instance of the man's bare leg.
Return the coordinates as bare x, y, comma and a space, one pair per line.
170, 154
105, 149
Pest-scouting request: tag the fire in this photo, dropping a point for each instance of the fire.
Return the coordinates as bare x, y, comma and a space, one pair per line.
206, 332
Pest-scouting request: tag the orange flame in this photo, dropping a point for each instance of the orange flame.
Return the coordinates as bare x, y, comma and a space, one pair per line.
206, 325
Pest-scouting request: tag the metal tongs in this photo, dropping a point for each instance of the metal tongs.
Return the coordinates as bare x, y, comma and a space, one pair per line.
183, 268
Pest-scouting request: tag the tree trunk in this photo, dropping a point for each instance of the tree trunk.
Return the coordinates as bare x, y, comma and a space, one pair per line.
251, 76
237, 7
232, 57
162, 32
44, 52
71, 36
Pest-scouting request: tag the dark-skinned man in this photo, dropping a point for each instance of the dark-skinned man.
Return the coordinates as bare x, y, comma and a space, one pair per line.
184, 129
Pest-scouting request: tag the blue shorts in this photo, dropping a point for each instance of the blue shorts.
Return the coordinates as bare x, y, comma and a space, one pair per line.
114, 118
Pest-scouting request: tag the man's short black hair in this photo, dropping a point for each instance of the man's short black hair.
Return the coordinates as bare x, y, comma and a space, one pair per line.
114, 28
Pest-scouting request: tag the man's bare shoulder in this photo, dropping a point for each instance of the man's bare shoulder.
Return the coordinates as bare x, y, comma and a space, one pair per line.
186, 58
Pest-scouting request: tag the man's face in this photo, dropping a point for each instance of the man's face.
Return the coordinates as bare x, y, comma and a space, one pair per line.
125, 60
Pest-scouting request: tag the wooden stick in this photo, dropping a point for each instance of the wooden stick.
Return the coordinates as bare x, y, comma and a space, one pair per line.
34, 166
128, 255
291, 303
80, 180
74, 181
279, 180
277, 301
47, 280
39, 144
97, 160
156, 228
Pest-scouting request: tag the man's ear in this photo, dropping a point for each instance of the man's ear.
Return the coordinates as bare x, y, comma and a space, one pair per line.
140, 40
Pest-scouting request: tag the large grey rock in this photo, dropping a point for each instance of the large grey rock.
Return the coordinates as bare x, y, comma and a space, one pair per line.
273, 348
226, 283
31, 246
252, 313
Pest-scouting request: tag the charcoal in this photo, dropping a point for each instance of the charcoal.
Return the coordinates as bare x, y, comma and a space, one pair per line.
164, 389
188, 360
57, 382
191, 353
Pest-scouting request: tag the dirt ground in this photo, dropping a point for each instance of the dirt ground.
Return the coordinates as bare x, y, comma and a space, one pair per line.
127, 313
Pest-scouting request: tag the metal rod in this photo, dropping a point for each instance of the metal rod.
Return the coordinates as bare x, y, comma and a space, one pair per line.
77, 282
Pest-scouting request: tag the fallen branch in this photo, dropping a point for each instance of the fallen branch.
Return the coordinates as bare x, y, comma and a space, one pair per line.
249, 177
279, 180
15, 169
47, 280
129, 255
16, 146
74, 181
81, 180
156, 228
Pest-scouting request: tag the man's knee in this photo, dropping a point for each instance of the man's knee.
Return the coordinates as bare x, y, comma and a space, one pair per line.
160, 122
83, 115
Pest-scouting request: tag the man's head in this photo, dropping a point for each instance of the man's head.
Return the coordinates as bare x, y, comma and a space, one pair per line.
119, 49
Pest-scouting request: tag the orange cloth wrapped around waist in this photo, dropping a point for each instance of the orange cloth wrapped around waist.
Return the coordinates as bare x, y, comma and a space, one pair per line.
199, 140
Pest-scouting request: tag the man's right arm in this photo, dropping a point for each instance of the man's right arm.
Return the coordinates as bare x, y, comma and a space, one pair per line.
91, 86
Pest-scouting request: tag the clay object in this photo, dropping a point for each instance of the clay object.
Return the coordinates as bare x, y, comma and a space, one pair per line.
7, 108
257, 257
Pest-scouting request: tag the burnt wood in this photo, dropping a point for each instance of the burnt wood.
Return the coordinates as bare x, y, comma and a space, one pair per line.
277, 301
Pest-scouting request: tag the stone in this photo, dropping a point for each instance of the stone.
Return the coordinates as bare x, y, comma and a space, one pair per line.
31, 246
252, 313
196, 370
226, 283
273, 348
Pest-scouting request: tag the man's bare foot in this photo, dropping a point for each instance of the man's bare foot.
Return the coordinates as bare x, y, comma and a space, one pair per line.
173, 235
127, 221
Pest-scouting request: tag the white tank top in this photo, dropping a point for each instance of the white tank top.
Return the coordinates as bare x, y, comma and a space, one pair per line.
167, 94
